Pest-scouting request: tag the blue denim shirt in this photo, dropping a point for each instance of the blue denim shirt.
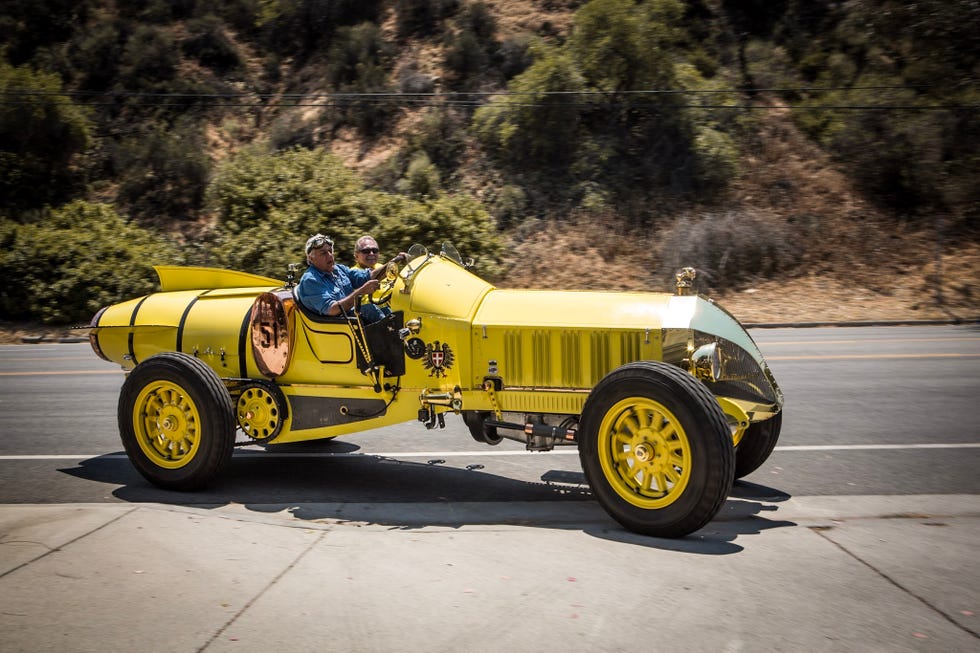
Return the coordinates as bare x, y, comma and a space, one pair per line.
319, 290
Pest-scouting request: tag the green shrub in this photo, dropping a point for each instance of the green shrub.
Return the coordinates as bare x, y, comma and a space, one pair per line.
149, 58
208, 43
621, 47
28, 25
421, 178
298, 28
471, 50
353, 49
527, 123
42, 135
269, 204
514, 55
457, 219
163, 172
249, 186
95, 54
359, 59
79, 258
440, 136
422, 17
510, 205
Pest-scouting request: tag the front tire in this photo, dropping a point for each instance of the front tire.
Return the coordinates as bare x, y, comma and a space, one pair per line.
756, 445
176, 421
656, 449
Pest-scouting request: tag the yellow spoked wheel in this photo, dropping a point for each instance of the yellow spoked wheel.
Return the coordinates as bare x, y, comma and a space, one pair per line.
260, 412
167, 425
644, 453
656, 449
176, 421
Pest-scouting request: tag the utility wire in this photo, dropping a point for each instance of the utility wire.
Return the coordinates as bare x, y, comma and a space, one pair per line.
447, 94
19, 97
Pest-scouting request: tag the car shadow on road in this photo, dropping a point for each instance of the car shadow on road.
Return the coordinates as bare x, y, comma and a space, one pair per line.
347, 487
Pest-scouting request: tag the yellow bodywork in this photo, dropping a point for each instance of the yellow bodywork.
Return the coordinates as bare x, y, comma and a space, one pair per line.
467, 345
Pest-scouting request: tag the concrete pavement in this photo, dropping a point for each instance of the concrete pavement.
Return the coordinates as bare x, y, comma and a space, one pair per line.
897, 573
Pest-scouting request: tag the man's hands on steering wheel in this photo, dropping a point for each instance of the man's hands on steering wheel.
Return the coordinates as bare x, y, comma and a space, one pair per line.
386, 281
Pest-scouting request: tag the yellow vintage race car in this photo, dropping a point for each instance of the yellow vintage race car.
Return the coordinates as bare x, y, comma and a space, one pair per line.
666, 396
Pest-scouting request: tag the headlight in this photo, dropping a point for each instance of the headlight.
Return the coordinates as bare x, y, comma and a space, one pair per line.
728, 370
706, 362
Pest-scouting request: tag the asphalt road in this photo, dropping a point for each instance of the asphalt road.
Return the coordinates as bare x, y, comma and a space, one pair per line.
859, 533
869, 411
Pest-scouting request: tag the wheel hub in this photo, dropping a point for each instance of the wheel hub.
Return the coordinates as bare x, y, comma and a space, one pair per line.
644, 452
261, 412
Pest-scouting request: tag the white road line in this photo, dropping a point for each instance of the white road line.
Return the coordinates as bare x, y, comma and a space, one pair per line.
843, 357
467, 454
805, 343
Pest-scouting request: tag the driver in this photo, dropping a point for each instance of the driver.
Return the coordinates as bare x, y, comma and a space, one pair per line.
329, 288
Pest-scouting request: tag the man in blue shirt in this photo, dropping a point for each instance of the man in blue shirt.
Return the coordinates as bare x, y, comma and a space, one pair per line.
329, 288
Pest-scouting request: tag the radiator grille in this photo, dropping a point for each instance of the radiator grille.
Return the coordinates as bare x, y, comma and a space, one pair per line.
571, 360
560, 358
600, 356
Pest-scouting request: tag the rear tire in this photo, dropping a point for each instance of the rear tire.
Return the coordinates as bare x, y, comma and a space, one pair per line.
480, 432
656, 449
176, 421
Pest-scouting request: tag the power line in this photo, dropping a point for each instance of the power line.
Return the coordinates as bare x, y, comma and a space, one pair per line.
535, 99
456, 94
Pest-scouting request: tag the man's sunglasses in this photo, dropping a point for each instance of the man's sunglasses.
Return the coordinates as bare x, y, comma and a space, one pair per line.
370, 250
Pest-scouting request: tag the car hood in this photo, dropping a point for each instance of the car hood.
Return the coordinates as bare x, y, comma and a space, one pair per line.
611, 310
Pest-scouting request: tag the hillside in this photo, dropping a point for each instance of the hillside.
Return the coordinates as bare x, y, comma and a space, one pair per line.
814, 160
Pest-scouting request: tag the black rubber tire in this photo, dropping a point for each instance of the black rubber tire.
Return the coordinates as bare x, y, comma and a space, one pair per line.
198, 386
712, 457
757, 444
485, 434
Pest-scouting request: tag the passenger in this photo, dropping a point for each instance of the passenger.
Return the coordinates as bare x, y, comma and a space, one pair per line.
329, 288
366, 253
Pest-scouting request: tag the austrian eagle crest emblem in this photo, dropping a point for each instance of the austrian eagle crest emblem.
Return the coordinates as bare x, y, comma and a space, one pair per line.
438, 358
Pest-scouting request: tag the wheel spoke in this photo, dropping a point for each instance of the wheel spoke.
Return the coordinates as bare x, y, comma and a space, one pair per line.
646, 487
630, 423
621, 439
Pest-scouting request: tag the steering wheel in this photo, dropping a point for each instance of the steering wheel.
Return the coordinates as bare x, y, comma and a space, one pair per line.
383, 294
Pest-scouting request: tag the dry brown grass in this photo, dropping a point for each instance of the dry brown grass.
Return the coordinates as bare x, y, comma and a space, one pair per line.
583, 255
854, 263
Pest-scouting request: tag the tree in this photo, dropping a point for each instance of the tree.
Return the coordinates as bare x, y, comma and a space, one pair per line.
42, 134
619, 47
539, 118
